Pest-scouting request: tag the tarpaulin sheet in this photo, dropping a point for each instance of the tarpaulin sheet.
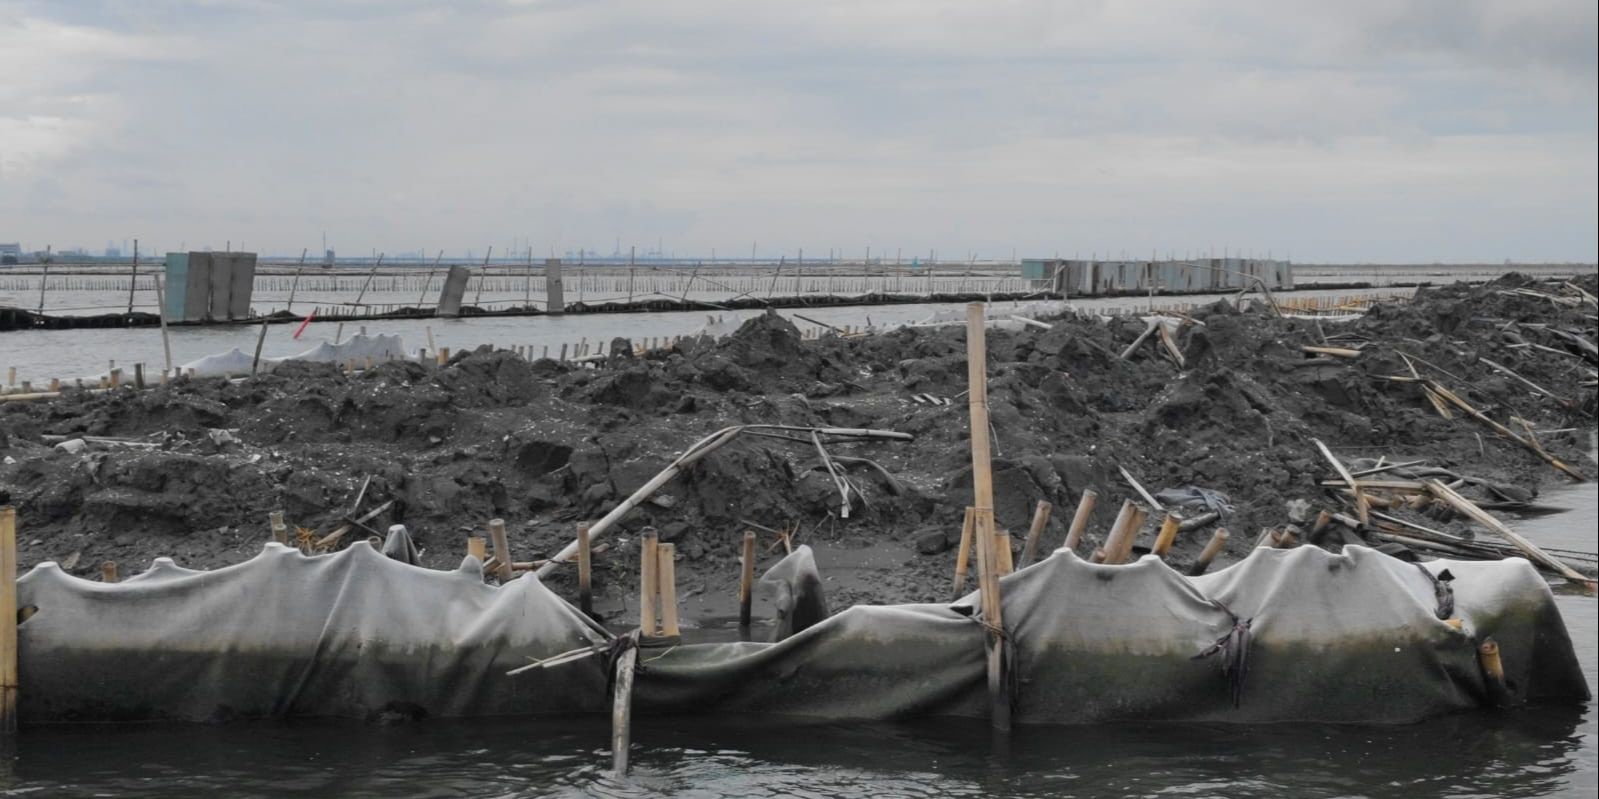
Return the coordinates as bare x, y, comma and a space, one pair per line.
354, 634
1350, 637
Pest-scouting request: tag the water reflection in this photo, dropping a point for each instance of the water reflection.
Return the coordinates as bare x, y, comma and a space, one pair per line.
1532, 752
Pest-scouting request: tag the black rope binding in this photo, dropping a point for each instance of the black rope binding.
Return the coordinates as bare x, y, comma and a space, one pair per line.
1234, 647
1442, 591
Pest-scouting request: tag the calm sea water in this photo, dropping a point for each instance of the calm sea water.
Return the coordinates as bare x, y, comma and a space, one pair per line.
39, 355
1526, 753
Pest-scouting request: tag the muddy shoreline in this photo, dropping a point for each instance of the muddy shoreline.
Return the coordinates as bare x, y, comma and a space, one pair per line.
545, 445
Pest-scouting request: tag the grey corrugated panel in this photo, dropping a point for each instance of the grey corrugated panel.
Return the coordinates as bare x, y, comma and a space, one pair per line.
197, 302
175, 285
454, 289
221, 285
554, 291
241, 265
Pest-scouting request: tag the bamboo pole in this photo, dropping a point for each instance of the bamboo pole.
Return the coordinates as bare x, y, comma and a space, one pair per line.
1085, 508
108, 571
280, 531
746, 579
477, 547
983, 513
666, 576
1041, 513
649, 582
8, 620
1534, 553
1119, 541
502, 549
585, 590
1218, 540
1167, 535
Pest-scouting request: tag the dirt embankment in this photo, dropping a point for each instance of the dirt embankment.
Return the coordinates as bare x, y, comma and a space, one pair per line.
544, 445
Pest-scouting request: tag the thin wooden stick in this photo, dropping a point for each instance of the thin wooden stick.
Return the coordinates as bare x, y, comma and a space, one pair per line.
1505, 431
1362, 511
1139, 487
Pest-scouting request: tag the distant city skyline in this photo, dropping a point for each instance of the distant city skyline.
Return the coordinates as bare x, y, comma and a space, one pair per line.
1369, 131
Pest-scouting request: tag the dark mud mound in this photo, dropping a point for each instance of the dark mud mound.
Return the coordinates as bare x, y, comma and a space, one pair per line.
545, 444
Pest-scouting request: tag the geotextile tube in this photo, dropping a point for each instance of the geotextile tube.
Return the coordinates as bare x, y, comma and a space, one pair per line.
1346, 638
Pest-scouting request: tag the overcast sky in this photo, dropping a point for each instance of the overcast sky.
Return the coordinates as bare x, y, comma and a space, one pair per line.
1391, 130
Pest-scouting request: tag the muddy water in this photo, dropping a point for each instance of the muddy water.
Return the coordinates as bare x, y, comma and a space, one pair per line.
39, 355
1530, 752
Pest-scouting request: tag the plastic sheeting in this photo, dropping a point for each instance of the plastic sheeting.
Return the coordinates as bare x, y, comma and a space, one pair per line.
1352, 637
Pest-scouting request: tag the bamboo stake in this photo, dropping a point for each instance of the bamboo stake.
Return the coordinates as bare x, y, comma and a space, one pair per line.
983, 512
1085, 508
477, 547
585, 591
1119, 543
502, 548
280, 531
649, 583
1534, 553
1041, 513
1218, 540
8, 620
108, 571
1004, 559
622, 709
666, 575
1167, 535
964, 554
746, 580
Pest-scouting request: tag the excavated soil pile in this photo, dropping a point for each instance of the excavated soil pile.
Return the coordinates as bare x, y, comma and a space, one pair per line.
544, 445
